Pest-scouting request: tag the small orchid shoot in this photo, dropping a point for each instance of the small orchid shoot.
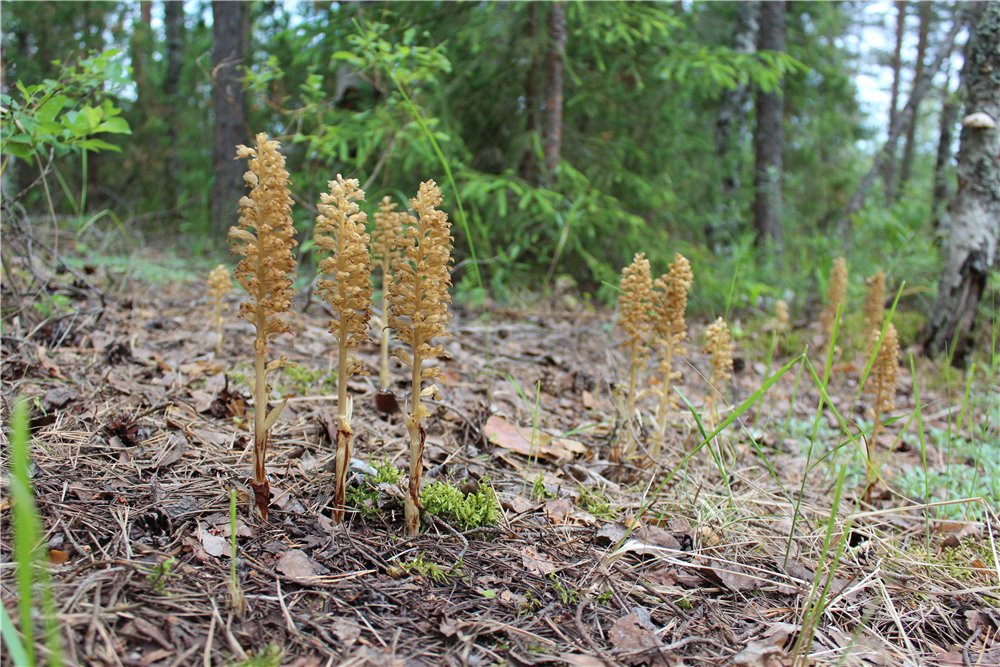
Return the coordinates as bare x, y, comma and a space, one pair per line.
219, 285
386, 246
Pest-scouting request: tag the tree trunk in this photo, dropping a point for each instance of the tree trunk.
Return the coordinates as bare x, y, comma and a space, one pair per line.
906, 166
889, 166
174, 20
528, 168
769, 134
229, 32
554, 85
949, 116
729, 127
903, 120
174, 24
141, 43
975, 209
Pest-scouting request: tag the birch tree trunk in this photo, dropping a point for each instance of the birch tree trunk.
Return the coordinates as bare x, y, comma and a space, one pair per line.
889, 166
769, 134
902, 121
942, 189
906, 166
974, 213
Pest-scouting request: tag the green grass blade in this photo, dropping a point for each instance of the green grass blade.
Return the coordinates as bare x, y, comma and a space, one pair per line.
12, 640
27, 531
462, 217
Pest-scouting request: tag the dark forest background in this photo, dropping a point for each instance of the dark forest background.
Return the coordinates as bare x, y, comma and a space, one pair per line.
566, 136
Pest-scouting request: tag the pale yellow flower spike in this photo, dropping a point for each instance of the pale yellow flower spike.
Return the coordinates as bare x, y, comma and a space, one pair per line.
264, 238
219, 285
719, 345
875, 301
346, 287
634, 302
885, 375
836, 295
418, 311
387, 239
670, 297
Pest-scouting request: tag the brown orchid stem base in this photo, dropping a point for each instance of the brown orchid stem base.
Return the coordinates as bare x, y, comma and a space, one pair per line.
619, 401
345, 439
259, 484
218, 326
261, 489
412, 507
870, 453
662, 406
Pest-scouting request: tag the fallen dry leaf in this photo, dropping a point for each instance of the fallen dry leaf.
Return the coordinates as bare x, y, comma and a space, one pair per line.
295, 565
582, 660
347, 632
214, 545
506, 435
537, 562
632, 635
766, 652
558, 510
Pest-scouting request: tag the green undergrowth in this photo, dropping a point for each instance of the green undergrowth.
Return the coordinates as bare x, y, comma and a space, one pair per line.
364, 497
269, 656
421, 565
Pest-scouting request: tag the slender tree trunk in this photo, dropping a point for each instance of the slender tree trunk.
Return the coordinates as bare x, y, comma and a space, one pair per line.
889, 166
903, 120
974, 213
229, 31
554, 87
769, 135
528, 168
949, 116
174, 20
906, 166
141, 38
729, 127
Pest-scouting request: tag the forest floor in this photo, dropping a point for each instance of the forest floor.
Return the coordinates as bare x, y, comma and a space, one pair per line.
753, 549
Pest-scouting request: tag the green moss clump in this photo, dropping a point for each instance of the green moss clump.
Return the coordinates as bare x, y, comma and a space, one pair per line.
465, 511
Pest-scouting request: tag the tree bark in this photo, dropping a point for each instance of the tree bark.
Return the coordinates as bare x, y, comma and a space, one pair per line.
229, 32
949, 116
906, 166
554, 87
729, 126
174, 24
903, 120
141, 43
528, 168
975, 208
769, 134
889, 166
